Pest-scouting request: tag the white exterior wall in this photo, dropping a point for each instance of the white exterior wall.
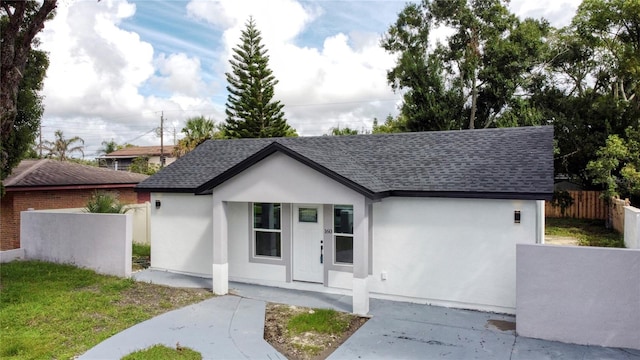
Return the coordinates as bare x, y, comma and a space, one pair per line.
182, 233
168, 159
451, 252
240, 269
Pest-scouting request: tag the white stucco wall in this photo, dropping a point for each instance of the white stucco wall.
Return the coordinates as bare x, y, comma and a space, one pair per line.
579, 294
631, 227
101, 242
240, 269
452, 252
281, 179
181, 233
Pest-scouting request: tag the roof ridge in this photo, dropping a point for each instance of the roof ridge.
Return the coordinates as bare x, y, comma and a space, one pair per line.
24, 174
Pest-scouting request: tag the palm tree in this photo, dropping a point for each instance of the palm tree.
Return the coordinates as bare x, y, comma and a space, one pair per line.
61, 147
108, 147
196, 131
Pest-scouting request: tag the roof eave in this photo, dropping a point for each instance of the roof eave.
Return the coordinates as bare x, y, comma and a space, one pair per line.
165, 190
69, 187
474, 195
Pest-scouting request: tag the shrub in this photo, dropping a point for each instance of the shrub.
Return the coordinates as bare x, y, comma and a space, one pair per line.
105, 203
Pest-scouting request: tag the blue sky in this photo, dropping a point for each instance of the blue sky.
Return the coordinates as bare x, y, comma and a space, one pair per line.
117, 65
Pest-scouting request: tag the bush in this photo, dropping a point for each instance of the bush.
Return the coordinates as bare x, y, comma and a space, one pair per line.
562, 199
105, 203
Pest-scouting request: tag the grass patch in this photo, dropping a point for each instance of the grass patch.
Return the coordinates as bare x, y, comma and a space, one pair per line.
307, 334
164, 352
141, 250
57, 311
588, 232
324, 321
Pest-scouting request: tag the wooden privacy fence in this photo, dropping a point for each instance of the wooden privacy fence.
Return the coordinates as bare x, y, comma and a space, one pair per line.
617, 213
586, 205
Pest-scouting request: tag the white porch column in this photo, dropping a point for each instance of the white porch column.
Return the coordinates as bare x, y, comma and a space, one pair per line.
220, 271
361, 258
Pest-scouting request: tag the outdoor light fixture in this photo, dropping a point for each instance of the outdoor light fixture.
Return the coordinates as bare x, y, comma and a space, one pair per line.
158, 203
516, 216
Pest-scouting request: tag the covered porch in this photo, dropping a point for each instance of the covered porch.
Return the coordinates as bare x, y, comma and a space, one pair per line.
280, 222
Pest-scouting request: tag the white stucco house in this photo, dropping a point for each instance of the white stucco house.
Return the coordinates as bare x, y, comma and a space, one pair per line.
431, 217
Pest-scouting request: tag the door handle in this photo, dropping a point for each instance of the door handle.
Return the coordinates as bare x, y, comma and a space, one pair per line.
321, 253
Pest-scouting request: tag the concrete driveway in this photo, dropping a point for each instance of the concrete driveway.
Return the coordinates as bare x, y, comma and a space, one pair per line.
231, 327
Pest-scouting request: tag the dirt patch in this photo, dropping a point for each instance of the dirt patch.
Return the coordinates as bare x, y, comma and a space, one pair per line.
159, 299
561, 240
309, 345
501, 325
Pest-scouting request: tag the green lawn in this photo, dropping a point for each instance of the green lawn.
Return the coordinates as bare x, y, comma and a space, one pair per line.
588, 232
52, 311
163, 352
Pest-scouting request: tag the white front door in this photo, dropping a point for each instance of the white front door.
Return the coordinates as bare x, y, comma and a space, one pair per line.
307, 242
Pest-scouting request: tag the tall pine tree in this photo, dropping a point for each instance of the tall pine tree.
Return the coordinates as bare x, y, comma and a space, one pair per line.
251, 113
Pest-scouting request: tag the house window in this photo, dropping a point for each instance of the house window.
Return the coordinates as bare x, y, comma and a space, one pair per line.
343, 233
309, 215
267, 230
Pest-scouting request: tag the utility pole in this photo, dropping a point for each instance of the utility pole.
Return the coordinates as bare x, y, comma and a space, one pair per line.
174, 136
162, 139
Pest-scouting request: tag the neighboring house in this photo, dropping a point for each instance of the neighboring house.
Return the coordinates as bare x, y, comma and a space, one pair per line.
430, 217
52, 184
123, 158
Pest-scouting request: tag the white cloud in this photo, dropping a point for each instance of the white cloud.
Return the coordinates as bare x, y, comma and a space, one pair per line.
558, 12
102, 80
180, 74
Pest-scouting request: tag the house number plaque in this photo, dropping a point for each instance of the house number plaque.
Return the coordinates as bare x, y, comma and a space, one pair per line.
328, 231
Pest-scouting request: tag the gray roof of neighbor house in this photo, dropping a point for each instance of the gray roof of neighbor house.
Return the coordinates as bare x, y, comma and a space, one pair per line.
51, 173
487, 163
137, 151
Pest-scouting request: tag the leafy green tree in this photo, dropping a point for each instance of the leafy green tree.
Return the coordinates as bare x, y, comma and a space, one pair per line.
612, 28
591, 84
196, 131
19, 143
141, 165
251, 110
20, 22
60, 148
617, 166
338, 131
390, 125
473, 78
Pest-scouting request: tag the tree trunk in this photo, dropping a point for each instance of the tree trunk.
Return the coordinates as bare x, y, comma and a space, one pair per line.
474, 101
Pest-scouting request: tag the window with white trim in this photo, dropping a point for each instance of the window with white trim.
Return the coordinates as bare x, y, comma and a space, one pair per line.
267, 230
343, 233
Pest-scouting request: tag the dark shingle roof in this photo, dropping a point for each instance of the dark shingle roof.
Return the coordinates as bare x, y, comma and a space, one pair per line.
48, 172
502, 163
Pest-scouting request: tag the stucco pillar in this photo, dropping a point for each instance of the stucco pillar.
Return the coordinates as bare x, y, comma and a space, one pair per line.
360, 258
220, 270
539, 221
